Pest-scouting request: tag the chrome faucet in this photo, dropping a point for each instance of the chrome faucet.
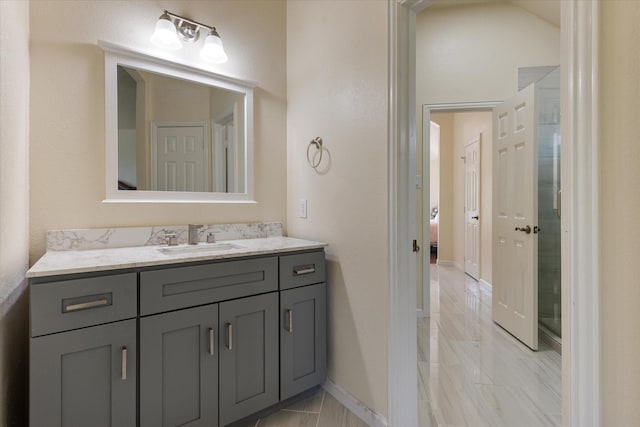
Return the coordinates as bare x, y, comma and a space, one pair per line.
193, 234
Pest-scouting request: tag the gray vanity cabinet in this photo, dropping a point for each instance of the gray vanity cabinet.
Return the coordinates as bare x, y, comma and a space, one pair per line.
83, 351
248, 356
85, 377
303, 332
179, 368
210, 343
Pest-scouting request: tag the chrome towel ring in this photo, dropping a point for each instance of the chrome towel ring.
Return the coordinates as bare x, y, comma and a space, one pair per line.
317, 141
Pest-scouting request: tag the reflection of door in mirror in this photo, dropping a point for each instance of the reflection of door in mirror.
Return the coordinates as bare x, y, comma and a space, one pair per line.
180, 154
164, 141
225, 151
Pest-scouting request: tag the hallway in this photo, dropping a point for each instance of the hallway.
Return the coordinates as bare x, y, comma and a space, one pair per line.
472, 372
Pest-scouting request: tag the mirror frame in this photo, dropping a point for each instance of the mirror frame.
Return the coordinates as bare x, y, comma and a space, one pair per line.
115, 55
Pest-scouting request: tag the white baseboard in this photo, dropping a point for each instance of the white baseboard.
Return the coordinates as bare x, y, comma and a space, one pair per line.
485, 284
448, 263
358, 408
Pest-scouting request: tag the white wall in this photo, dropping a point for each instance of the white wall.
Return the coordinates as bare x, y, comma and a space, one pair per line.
472, 53
67, 108
14, 209
337, 89
619, 207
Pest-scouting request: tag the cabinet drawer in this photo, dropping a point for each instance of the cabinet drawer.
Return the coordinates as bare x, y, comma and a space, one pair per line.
302, 269
77, 303
174, 288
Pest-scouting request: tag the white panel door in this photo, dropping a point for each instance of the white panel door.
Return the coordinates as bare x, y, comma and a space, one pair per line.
515, 215
181, 158
472, 208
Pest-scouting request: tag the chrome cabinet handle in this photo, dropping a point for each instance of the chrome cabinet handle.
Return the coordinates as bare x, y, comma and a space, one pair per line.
85, 305
229, 336
123, 373
212, 348
290, 321
301, 271
526, 229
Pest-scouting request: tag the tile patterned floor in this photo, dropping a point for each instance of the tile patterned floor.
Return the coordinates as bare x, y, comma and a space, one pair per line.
319, 410
472, 372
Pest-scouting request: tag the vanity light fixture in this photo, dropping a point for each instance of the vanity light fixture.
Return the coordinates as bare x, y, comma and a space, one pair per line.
172, 28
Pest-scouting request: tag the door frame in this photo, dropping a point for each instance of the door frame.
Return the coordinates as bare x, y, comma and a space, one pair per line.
581, 403
477, 190
427, 109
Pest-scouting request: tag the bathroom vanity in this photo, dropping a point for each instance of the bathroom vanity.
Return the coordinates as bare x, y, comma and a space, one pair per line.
198, 337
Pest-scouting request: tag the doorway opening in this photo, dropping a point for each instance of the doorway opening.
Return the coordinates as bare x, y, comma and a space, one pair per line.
580, 246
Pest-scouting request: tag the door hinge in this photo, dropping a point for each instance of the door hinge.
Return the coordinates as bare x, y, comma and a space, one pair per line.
415, 247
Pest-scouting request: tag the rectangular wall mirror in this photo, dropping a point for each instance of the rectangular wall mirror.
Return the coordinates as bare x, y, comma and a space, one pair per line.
175, 133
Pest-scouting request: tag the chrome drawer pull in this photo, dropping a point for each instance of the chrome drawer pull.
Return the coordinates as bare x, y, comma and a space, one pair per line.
229, 336
290, 320
123, 373
307, 270
85, 305
212, 348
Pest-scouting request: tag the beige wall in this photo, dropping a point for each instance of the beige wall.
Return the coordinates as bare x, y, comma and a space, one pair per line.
14, 209
67, 108
337, 89
619, 207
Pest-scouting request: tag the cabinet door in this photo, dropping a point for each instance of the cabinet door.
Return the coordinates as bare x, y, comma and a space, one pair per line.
85, 377
303, 339
248, 356
179, 368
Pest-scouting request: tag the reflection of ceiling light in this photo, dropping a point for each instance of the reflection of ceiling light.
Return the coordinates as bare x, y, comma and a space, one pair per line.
171, 26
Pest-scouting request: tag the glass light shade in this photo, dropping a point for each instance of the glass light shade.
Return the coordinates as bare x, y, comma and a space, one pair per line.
213, 50
165, 35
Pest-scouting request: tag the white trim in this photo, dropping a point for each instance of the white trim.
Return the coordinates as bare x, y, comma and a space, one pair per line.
359, 409
420, 313
402, 362
445, 263
484, 284
580, 235
117, 55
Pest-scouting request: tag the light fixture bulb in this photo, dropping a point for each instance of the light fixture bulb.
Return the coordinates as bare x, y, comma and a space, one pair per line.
213, 50
165, 35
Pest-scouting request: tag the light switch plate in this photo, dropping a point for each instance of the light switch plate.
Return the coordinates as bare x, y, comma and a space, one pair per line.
302, 211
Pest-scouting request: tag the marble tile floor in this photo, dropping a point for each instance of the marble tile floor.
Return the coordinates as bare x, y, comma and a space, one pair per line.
318, 410
472, 372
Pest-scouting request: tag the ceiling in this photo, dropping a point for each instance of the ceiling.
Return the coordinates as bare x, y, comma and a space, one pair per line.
548, 10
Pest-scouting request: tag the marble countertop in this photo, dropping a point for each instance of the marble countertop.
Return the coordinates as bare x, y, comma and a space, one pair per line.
83, 261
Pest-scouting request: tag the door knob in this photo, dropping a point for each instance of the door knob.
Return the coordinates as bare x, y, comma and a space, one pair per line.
475, 217
526, 229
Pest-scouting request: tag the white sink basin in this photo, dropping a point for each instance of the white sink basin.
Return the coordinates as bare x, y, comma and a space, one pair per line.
199, 248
